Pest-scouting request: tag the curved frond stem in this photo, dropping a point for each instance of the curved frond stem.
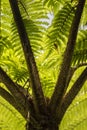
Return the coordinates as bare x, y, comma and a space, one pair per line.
39, 100
9, 98
70, 75
11, 86
72, 71
60, 87
17, 92
70, 96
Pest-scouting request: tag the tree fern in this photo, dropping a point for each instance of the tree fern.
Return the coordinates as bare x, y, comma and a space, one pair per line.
48, 41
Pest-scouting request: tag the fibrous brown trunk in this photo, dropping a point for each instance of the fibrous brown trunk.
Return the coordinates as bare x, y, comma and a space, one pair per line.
49, 127
43, 123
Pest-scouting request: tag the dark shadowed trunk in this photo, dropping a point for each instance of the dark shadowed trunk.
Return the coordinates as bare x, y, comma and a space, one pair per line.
46, 124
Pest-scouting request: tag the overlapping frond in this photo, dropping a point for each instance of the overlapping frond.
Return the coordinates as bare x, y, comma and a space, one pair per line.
60, 27
76, 115
10, 119
57, 35
35, 20
80, 53
55, 3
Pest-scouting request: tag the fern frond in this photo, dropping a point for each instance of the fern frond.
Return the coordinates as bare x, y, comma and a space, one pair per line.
10, 119
76, 115
84, 18
59, 30
54, 2
61, 25
80, 53
35, 26
16, 66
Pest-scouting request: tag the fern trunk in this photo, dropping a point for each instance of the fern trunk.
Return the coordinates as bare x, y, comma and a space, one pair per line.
48, 126
44, 122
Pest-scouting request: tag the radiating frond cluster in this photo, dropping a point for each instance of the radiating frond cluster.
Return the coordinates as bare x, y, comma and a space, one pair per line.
48, 41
